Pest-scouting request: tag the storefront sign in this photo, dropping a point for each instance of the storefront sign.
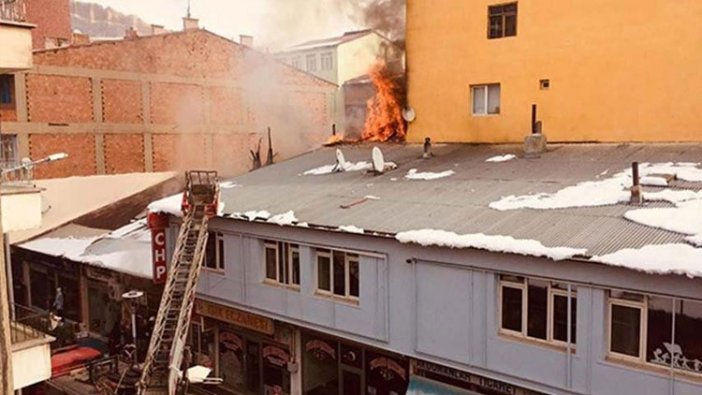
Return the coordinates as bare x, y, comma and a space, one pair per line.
233, 316
158, 224
320, 349
231, 341
276, 356
465, 380
388, 368
98, 274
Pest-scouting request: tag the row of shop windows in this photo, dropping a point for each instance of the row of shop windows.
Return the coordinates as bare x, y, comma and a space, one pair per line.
654, 330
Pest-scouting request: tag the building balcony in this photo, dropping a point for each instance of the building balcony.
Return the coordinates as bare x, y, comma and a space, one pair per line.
15, 37
31, 351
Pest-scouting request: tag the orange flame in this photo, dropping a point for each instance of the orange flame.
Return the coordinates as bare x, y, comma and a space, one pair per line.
334, 139
384, 118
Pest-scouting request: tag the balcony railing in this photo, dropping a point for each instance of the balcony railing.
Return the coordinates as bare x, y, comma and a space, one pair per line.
13, 10
28, 325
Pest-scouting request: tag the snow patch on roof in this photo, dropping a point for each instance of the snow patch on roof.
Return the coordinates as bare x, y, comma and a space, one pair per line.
252, 215
172, 205
654, 181
658, 259
412, 174
351, 229
603, 192
228, 185
347, 166
503, 244
287, 218
501, 158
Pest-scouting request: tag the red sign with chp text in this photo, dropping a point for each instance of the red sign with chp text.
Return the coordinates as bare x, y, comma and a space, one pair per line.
158, 224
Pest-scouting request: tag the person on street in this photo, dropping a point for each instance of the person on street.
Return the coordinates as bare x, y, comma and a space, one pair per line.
57, 306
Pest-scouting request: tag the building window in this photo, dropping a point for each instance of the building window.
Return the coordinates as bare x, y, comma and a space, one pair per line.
311, 63
537, 309
8, 149
502, 20
282, 262
214, 251
656, 330
327, 61
297, 62
338, 273
486, 99
7, 90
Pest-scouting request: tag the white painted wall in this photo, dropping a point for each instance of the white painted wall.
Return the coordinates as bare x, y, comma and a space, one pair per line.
31, 365
21, 211
16, 48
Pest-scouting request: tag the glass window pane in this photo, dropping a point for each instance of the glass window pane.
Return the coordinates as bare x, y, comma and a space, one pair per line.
479, 93
295, 265
688, 327
627, 296
353, 278
495, 10
271, 264
220, 252
625, 330
323, 273
512, 309
560, 317
537, 309
211, 252
339, 273
493, 99
659, 330
495, 26
510, 25
283, 263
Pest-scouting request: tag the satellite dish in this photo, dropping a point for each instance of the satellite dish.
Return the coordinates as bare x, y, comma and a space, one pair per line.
340, 161
408, 114
378, 160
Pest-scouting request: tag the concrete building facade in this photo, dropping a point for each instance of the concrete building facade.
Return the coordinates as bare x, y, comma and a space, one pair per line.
597, 71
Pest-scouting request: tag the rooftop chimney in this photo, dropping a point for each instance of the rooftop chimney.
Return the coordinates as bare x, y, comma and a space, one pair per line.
157, 29
131, 34
535, 143
190, 23
246, 40
427, 148
636, 192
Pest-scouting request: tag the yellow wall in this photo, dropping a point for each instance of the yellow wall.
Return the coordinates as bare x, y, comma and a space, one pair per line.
620, 70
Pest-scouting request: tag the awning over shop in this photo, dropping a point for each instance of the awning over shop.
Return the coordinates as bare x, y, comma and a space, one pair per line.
422, 386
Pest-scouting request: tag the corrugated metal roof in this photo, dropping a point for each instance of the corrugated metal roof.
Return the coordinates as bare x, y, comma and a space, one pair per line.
460, 203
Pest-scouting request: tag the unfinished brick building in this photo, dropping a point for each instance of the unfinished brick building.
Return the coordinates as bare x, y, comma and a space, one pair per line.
162, 102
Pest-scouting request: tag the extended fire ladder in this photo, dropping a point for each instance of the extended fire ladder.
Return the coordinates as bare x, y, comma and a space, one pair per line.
161, 372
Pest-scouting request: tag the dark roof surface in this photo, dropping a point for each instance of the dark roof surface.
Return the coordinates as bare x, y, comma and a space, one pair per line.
460, 203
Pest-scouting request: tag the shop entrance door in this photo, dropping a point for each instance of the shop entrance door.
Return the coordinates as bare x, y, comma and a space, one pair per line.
351, 381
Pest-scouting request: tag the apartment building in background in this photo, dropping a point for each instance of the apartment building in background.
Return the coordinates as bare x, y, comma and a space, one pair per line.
343, 58
167, 101
597, 71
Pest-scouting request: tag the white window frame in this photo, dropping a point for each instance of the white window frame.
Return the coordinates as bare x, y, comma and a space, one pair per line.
308, 58
524, 287
643, 327
219, 254
288, 264
552, 293
296, 62
329, 57
329, 253
486, 100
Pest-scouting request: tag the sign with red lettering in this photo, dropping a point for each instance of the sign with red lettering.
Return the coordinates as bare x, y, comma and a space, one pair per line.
158, 224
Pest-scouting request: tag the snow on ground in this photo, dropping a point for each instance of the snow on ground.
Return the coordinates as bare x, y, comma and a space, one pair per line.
412, 174
351, 229
503, 244
501, 158
653, 181
603, 192
658, 259
287, 218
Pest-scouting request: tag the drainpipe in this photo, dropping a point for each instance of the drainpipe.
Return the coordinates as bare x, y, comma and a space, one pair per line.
671, 378
569, 351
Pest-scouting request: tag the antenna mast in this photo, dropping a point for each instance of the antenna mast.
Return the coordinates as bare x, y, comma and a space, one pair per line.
188, 9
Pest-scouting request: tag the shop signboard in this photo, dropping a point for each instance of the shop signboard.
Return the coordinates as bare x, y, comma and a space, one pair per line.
233, 316
158, 224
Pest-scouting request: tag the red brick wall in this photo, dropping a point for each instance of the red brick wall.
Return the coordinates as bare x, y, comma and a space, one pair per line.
53, 20
176, 104
59, 99
8, 114
225, 105
231, 152
178, 151
121, 101
124, 153
79, 147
